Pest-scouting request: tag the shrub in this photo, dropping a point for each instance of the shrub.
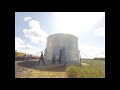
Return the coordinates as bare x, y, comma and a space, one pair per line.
72, 71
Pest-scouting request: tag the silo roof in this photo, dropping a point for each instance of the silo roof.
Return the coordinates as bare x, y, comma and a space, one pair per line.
61, 34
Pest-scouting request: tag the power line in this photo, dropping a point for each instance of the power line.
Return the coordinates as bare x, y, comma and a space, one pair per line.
85, 55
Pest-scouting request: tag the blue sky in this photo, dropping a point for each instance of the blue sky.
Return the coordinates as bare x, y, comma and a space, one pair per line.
32, 29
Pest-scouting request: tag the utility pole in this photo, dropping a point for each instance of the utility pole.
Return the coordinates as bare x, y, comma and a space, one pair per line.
80, 59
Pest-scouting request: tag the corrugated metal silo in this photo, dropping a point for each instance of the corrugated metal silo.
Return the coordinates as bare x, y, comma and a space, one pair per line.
65, 43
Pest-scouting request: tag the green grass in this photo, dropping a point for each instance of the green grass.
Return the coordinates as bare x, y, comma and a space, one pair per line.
96, 69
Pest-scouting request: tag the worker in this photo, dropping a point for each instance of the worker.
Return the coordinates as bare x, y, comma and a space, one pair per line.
41, 59
25, 56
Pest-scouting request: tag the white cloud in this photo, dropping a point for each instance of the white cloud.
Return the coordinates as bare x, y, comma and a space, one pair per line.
29, 49
26, 48
99, 28
36, 34
27, 18
100, 32
67, 22
92, 52
18, 42
76, 22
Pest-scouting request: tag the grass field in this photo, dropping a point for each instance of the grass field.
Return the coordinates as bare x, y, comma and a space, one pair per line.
29, 69
93, 69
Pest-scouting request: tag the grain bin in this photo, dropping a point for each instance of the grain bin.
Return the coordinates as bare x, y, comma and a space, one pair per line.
64, 45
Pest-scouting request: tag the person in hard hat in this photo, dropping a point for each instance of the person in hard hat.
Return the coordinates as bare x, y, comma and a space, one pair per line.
41, 59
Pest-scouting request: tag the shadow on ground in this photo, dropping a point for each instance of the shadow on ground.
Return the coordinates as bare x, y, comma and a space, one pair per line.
34, 65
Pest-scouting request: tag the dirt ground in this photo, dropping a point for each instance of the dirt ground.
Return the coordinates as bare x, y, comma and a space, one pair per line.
31, 69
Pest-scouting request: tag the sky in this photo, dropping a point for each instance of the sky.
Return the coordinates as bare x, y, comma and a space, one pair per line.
33, 28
